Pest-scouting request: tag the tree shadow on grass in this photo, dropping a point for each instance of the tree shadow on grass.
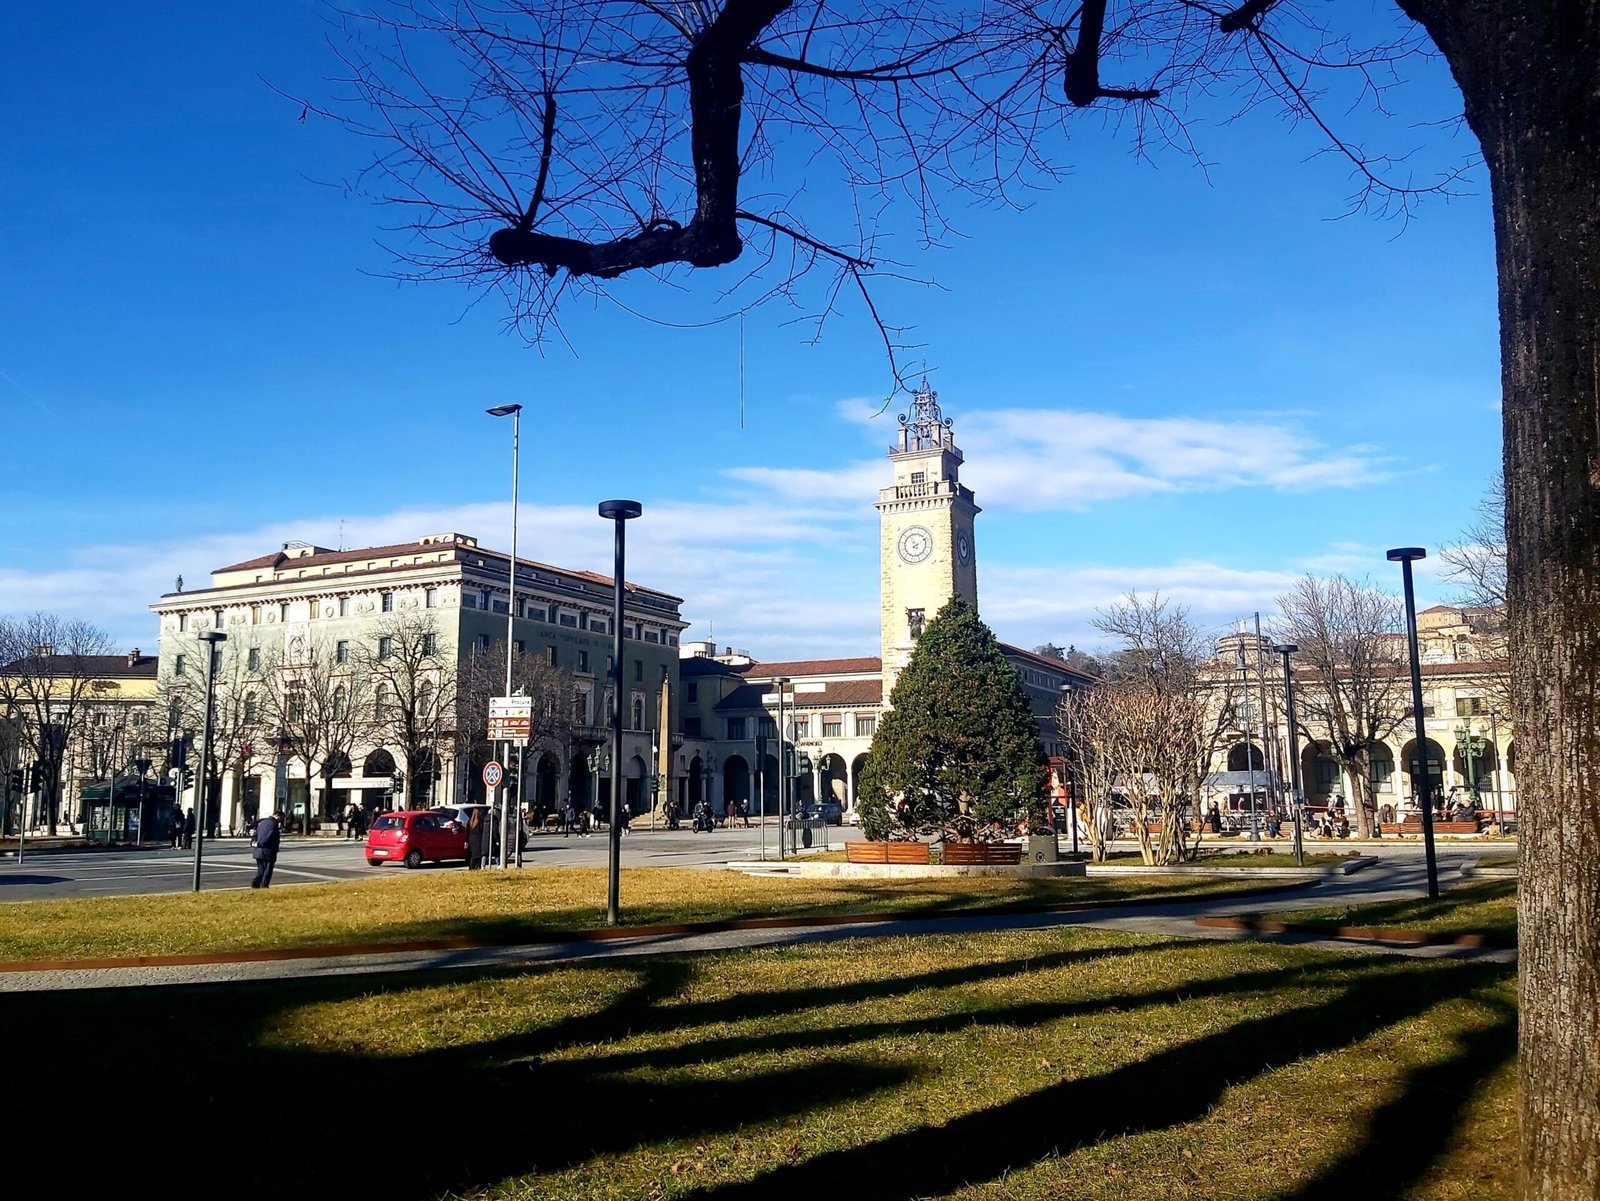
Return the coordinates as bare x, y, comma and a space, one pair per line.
1011, 1013
1170, 1088
311, 1121
1408, 1135
283, 1122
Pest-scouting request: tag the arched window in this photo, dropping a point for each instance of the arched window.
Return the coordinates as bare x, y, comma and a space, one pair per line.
341, 698
638, 713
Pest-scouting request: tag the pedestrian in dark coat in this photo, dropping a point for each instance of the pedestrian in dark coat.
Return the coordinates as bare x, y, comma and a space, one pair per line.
264, 848
188, 829
476, 840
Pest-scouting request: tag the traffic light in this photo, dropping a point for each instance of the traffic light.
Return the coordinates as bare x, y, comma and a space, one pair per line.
180, 751
36, 777
188, 777
17, 780
513, 766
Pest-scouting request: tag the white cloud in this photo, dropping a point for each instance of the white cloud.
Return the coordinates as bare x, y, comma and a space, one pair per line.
1047, 459
1037, 459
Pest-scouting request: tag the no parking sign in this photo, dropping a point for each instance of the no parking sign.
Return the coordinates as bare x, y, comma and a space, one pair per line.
493, 773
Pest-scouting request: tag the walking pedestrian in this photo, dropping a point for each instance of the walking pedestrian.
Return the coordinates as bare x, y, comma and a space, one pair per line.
176, 820
264, 848
188, 828
475, 840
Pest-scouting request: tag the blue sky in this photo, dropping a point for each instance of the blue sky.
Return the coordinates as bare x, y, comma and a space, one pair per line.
1198, 381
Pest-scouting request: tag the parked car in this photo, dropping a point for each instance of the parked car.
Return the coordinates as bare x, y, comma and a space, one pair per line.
832, 812
414, 837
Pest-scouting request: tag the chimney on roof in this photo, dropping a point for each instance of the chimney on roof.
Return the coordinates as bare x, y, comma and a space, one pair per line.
133, 657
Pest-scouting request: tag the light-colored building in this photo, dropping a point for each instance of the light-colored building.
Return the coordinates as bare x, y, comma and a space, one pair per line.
831, 707
301, 600
104, 707
1471, 749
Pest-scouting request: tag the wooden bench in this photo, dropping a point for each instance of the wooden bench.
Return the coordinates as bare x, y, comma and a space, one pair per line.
979, 854
886, 852
1413, 825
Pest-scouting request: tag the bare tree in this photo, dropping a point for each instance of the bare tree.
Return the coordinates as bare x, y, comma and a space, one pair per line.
1477, 566
323, 706
1156, 719
49, 678
414, 693
240, 732
1349, 636
482, 676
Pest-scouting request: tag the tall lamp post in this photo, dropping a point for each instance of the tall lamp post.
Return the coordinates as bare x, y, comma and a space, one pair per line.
203, 777
515, 413
1295, 800
780, 683
619, 512
1072, 800
1421, 782
1494, 732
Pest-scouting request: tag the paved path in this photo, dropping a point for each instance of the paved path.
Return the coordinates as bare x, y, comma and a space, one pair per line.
1386, 881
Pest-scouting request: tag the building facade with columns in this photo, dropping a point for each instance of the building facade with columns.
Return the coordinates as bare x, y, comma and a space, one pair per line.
830, 708
302, 602
1471, 748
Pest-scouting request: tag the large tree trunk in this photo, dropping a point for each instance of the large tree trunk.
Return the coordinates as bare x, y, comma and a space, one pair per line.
1530, 73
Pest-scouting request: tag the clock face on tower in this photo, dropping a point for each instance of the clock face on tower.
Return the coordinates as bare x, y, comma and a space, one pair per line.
963, 548
915, 544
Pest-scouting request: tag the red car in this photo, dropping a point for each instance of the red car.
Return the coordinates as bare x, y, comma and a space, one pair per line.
412, 837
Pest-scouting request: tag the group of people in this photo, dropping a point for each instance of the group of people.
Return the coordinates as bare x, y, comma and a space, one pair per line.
353, 822
182, 823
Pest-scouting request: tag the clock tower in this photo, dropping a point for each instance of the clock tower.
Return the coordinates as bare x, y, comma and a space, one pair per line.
925, 526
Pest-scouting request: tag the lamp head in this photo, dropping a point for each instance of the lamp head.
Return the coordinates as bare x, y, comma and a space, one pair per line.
1404, 554
779, 681
1285, 648
621, 510
213, 636
503, 410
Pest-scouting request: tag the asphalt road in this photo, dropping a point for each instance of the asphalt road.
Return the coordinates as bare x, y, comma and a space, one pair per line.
227, 862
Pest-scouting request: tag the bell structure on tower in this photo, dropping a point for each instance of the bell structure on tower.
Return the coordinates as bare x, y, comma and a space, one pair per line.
925, 519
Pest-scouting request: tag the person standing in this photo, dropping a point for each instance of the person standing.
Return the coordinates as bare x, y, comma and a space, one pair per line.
475, 840
188, 829
264, 848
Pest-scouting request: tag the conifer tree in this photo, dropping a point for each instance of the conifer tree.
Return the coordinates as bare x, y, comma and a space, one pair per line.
959, 727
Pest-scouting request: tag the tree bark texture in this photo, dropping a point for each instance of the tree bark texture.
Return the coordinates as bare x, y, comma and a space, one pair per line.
1530, 73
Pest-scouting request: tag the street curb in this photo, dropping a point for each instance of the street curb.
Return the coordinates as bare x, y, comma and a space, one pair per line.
1396, 934
612, 933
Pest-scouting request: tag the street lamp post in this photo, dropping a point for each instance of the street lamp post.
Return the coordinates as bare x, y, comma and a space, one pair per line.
1494, 731
1249, 750
1286, 649
1421, 782
202, 778
513, 411
779, 682
619, 512
1072, 800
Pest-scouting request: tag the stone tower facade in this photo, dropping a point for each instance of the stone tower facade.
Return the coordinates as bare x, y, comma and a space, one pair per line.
926, 550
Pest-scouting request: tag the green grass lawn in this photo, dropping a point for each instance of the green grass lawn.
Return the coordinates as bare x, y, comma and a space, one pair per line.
1023, 1065
504, 907
1480, 907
